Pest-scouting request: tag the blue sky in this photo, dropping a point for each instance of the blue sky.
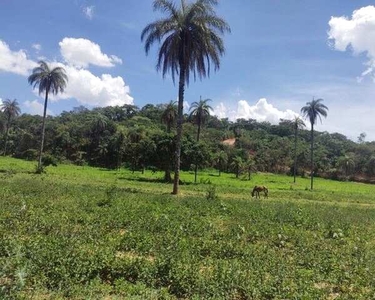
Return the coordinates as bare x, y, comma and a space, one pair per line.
278, 57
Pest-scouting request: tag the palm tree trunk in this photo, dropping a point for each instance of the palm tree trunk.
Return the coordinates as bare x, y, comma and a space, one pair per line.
6, 136
43, 131
180, 116
295, 155
312, 156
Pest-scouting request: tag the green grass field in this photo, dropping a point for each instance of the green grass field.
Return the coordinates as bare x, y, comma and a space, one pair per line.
87, 233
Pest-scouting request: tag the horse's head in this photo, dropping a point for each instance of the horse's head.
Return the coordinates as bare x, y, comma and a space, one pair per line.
252, 193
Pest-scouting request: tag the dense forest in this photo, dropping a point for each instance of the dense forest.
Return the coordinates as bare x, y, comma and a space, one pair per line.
144, 138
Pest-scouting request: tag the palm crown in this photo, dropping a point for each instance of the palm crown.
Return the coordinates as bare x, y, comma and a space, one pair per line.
190, 35
10, 108
314, 110
200, 110
298, 123
49, 80
169, 114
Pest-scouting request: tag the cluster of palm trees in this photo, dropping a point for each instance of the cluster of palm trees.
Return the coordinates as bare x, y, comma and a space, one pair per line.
190, 37
48, 80
199, 111
191, 41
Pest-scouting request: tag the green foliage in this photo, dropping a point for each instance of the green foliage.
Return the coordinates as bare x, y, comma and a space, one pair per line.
211, 192
116, 137
56, 242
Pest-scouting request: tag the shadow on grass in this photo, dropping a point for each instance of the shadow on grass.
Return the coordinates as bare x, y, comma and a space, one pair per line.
153, 180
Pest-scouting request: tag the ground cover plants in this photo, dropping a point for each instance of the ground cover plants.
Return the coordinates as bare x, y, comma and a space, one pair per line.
89, 233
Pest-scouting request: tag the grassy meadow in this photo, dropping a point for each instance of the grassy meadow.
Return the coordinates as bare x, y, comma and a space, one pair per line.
89, 233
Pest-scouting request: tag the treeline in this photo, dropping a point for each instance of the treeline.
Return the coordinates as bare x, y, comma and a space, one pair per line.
144, 138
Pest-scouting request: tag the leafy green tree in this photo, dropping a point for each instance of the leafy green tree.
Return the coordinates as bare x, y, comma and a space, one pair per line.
312, 111
191, 41
10, 109
221, 160
297, 124
165, 148
49, 81
200, 111
237, 164
249, 165
346, 164
169, 115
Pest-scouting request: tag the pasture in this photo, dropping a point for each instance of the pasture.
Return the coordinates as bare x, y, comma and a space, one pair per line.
89, 233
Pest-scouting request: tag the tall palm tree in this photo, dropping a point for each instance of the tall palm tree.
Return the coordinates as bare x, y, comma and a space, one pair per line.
49, 81
199, 113
190, 37
169, 115
312, 111
297, 124
11, 109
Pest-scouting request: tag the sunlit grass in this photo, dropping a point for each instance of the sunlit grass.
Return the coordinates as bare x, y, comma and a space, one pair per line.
87, 233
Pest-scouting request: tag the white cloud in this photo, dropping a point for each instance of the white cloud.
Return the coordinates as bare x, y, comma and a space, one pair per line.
82, 52
14, 61
186, 105
36, 47
220, 111
89, 89
1, 102
89, 11
260, 111
357, 34
35, 108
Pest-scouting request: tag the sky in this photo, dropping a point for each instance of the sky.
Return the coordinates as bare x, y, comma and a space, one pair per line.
279, 55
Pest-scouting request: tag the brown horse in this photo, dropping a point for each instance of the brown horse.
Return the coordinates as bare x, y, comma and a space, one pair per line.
258, 189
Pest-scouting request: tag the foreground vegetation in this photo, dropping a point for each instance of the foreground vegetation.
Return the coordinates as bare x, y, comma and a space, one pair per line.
87, 233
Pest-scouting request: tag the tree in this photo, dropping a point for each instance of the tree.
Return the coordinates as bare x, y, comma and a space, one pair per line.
48, 80
346, 164
249, 166
221, 159
11, 109
297, 124
199, 113
169, 115
237, 164
362, 138
190, 38
312, 111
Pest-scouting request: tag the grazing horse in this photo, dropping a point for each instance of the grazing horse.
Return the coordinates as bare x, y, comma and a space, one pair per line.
258, 189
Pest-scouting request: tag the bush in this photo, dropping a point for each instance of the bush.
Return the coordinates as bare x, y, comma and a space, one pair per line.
211, 193
49, 160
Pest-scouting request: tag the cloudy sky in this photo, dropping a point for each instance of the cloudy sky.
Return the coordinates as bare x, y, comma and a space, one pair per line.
280, 55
